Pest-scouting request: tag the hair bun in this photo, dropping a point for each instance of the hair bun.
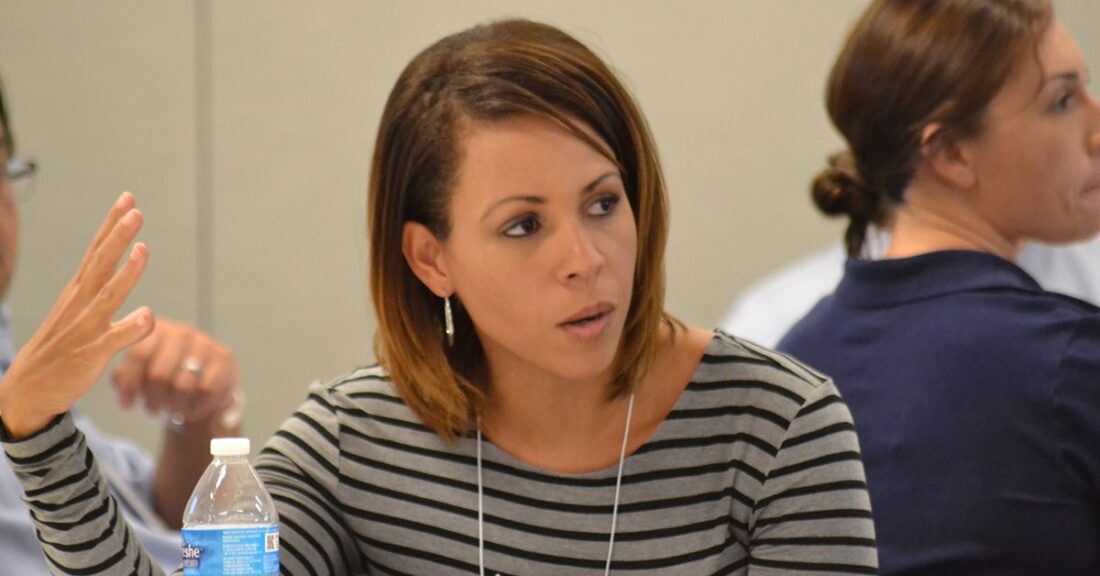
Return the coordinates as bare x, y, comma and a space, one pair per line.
839, 189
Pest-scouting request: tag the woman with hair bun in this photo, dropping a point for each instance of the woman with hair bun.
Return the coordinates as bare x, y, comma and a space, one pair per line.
976, 394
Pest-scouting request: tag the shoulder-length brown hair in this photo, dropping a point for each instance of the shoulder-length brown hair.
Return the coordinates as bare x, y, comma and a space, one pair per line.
908, 64
493, 72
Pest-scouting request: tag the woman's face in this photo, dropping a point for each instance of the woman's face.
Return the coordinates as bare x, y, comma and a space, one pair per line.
542, 248
1038, 161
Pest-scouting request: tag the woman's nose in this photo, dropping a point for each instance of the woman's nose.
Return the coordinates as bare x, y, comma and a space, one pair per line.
581, 259
1094, 125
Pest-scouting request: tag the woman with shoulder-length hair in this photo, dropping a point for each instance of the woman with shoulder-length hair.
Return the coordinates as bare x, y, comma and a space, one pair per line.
975, 393
535, 410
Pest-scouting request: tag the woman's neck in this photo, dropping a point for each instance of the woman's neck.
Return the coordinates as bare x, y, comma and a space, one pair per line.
573, 426
935, 219
554, 423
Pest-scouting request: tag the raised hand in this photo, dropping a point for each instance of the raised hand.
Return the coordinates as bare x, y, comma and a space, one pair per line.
73, 345
180, 370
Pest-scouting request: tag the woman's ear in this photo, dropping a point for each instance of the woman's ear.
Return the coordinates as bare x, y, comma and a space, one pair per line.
424, 253
950, 160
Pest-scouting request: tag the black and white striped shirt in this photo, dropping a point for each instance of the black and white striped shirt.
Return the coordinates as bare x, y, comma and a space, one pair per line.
756, 470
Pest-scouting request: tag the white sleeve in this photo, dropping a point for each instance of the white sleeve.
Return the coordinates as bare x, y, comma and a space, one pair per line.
765, 311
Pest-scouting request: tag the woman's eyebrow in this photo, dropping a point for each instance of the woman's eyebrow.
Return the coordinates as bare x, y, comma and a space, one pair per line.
538, 200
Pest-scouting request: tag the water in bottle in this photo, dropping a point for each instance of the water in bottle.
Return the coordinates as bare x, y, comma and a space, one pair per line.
230, 527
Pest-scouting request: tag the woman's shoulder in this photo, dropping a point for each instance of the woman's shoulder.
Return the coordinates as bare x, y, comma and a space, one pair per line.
745, 390
366, 388
1071, 306
730, 358
1037, 328
365, 379
737, 376
362, 399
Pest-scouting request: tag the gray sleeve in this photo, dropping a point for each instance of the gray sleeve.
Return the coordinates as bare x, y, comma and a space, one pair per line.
132, 464
77, 520
129, 472
814, 514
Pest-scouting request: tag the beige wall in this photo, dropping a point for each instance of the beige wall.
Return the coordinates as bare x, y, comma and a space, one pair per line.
245, 129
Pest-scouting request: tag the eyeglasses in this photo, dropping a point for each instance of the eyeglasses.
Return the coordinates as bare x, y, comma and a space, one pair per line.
19, 174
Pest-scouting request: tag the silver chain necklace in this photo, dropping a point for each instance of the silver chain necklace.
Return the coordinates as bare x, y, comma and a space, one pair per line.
614, 508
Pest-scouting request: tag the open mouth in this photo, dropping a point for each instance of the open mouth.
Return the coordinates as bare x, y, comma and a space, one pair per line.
586, 320
590, 323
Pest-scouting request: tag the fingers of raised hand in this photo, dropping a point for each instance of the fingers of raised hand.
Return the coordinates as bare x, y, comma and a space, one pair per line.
77, 293
95, 316
122, 206
89, 306
101, 267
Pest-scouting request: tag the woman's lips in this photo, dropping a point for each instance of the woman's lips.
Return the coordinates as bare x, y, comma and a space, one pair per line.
589, 325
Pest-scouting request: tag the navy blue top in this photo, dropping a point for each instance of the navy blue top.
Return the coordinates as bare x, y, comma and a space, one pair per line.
976, 397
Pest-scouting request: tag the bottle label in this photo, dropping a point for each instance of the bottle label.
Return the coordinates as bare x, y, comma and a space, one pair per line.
231, 551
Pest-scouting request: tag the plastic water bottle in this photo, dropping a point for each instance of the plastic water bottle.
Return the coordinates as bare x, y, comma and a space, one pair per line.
230, 526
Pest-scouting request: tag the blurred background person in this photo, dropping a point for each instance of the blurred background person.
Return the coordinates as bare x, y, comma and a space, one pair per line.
177, 370
975, 393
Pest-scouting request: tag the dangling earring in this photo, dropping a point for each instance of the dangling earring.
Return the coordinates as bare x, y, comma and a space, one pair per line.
448, 321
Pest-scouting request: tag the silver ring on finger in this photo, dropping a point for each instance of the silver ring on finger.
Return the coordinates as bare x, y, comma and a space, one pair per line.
192, 366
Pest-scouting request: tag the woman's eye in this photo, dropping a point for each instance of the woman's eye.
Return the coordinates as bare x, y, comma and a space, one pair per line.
1064, 102
523, 227
604, 205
